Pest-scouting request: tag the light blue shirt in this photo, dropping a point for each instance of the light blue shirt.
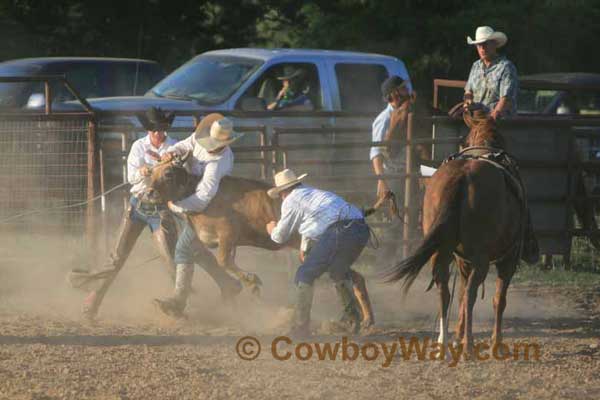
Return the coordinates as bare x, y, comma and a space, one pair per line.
380, 127
311, 211
489, 84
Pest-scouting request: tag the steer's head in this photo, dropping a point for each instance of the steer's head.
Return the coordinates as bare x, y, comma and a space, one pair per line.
168, 181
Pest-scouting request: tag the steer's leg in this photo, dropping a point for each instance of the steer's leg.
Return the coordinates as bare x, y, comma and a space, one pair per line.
226, 259
362, 296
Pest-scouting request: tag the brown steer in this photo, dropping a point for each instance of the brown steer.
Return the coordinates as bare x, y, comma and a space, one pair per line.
235, 217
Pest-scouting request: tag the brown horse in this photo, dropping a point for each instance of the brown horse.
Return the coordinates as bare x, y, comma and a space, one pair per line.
469, 210
237, 216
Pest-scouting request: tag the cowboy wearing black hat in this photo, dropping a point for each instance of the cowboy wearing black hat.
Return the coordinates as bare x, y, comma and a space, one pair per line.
144, 154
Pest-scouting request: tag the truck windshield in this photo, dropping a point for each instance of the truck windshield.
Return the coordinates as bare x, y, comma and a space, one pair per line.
15, 94
207, 79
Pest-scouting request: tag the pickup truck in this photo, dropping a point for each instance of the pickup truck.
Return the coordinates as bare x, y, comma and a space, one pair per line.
343, 88
90, 76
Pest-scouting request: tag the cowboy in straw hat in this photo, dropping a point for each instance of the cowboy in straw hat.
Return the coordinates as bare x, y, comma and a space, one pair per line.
338, 232
144, 154
493, 79
212, 158
493, 84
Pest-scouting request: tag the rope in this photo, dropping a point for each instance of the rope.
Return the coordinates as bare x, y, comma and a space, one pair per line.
45, 210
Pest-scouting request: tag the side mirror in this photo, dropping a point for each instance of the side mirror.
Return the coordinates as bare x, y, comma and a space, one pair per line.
252, 104
36, 100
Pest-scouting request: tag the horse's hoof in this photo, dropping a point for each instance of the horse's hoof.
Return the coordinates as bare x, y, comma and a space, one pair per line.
89, 309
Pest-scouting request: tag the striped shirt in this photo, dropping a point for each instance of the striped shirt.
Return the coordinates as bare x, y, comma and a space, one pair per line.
140, 156
311, 211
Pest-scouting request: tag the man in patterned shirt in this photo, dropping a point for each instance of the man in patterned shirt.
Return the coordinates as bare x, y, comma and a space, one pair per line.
338, 232
493, 80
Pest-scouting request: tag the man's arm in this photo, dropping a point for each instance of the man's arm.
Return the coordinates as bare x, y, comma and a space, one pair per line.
207, 187
182, 147
288, 224
380, 126
509, 85
136, 166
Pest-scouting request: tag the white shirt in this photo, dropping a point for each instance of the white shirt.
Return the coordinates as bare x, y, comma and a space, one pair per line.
139, 157
311, 211
212, 167
380, 127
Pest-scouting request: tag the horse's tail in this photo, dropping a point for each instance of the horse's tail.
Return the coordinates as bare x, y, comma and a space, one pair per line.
444, 228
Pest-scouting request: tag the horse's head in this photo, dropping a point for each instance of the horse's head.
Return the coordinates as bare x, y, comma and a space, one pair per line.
483, 131
168, 180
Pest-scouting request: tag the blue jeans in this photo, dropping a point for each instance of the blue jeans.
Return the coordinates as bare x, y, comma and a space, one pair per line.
187, 243
146, 214
335, 252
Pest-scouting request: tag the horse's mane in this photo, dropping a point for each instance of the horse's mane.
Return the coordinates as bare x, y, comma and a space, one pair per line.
484, 131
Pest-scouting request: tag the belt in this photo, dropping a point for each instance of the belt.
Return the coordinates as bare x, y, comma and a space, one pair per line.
149, 208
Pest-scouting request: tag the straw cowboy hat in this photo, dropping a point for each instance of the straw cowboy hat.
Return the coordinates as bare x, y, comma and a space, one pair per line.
156, 119
220, 133
284, 180
485, 33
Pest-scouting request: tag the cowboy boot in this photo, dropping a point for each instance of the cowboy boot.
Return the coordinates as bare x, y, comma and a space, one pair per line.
301, 323
530, 252
175, 305
351, 318
128, 234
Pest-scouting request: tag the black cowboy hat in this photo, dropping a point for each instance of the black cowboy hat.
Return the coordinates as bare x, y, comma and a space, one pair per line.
156, 119
390, 84
289, 73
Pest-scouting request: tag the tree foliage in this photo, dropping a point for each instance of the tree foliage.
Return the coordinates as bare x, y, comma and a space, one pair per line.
544, 35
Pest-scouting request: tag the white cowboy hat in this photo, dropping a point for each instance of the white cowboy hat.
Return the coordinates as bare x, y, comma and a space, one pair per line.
284, 180
221, 134
485, 33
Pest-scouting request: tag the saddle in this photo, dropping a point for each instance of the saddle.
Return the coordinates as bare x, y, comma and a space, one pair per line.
499, 159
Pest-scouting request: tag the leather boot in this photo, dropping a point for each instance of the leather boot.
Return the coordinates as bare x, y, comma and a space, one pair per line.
175, 305
128, 234
530, 252
350, 320
301, 323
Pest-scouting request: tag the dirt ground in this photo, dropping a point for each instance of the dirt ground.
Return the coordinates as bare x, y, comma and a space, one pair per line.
47, 352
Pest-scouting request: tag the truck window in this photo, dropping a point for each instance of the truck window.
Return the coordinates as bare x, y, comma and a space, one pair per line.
302, 93
360, 86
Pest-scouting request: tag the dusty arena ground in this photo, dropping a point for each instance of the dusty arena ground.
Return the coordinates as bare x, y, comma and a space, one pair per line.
47, 352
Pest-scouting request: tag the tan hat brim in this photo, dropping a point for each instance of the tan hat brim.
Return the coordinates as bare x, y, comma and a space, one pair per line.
203, 127
209, 143
274, 192
498, 37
